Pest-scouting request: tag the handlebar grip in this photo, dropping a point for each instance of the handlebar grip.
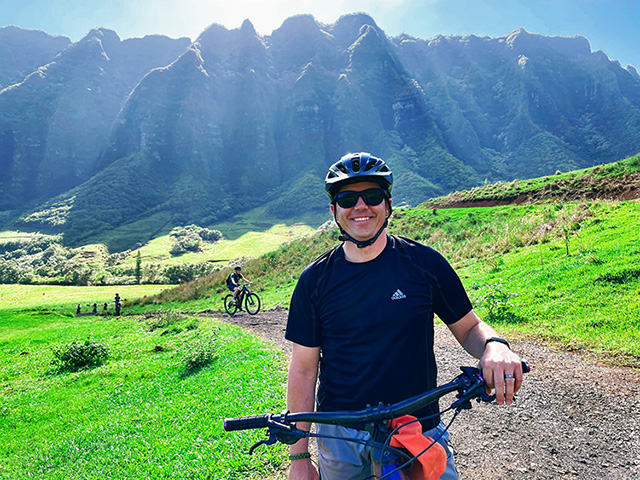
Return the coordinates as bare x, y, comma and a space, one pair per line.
246, 423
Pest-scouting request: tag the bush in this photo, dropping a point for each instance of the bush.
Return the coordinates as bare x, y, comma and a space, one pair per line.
187, 272
77, 355
209, 235
187, 243
9, 272
198, 355
76, 273
496, 301
190, 238
163, 320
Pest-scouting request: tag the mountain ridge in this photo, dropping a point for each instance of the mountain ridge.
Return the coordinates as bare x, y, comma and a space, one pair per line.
224, 123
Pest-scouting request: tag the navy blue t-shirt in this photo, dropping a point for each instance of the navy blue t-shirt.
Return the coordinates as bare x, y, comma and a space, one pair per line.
373, 322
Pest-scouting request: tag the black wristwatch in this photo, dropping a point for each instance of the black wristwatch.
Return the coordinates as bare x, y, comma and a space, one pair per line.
497, 339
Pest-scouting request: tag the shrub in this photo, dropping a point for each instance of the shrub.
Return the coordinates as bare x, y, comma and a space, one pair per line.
76, 273
198, 355
187, 272
78, 355
209, 235
190, 238
9, 272
163, 320
186, 243
496, 301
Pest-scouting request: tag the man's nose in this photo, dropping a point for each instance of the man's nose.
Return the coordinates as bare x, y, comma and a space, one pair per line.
360, 204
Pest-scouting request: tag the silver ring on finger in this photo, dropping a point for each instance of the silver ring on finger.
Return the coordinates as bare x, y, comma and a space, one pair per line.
508, 375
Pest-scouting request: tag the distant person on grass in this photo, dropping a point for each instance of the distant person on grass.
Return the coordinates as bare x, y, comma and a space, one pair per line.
363, 313
118, 303
233, 282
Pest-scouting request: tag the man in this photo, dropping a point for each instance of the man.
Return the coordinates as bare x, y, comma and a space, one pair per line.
118, 303
233, 281
363, 312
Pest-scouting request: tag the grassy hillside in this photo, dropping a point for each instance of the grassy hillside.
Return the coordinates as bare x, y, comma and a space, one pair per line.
566, 272
613, 181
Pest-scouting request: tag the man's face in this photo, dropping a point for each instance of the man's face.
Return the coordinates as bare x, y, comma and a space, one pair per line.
361, 221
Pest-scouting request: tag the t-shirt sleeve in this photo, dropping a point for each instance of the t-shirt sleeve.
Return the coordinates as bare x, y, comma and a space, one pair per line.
303, 326
450, 301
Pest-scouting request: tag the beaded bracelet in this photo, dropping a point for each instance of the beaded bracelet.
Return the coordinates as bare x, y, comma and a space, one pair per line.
299, 456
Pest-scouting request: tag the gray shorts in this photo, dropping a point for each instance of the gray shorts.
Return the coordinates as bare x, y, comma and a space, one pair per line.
340, 460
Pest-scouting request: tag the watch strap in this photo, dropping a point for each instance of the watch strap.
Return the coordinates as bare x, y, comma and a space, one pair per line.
497, 339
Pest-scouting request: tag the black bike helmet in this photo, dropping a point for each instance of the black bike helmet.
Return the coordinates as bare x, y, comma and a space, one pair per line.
358, 167
238, 268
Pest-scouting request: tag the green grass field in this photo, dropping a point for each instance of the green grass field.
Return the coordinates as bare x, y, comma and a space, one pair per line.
140, 414
67, 298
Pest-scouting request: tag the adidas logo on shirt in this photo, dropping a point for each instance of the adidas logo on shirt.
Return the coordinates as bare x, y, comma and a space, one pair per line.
398, 295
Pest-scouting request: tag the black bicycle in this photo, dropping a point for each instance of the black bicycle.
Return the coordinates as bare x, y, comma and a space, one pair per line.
251, 301
389, 462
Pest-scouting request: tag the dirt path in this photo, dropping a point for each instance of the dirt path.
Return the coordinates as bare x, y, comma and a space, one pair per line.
572, 419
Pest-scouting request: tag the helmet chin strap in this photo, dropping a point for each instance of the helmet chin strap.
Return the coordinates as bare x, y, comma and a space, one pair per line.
345, 237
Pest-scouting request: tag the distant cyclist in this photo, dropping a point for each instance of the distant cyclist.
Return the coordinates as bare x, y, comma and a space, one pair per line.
233, 281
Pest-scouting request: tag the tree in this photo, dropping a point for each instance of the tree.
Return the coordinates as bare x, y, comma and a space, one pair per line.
138, 272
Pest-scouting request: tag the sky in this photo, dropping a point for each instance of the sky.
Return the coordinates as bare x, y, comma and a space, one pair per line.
610, 26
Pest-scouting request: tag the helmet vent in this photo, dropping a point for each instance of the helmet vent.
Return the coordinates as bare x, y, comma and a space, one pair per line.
370, 164
343, 169
356, 164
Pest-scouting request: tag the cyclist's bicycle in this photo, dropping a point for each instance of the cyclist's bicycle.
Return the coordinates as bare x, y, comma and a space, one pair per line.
389, 462
251, 301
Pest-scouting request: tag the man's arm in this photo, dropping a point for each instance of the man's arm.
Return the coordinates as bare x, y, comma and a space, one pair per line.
301, 389
496, 359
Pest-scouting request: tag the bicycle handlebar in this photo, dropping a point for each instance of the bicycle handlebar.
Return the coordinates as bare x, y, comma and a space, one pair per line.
469, 385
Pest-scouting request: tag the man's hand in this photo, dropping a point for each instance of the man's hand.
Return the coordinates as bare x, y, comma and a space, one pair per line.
501, 368
502, 371
303, 470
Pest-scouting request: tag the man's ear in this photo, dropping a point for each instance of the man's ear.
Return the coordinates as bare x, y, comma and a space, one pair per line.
332, 207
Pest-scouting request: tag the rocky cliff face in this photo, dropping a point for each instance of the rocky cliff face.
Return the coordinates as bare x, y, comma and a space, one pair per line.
524, 105
236, 120
23, 51
55, 123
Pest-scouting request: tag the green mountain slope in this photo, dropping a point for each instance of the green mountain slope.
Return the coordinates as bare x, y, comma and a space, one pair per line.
569, 272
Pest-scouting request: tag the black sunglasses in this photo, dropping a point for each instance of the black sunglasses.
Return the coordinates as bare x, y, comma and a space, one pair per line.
371, 196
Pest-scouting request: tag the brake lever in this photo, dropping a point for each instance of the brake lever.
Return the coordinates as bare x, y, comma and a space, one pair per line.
269, 441
485, 397
280, 432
